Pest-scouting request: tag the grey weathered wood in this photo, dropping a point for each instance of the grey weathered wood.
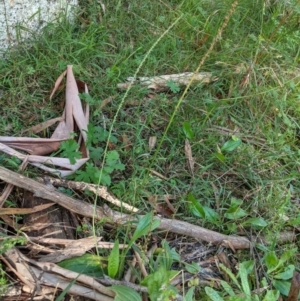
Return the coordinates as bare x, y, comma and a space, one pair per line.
82, 208
48, 193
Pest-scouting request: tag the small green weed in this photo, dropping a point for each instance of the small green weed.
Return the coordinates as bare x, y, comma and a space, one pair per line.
8, 243
91, 171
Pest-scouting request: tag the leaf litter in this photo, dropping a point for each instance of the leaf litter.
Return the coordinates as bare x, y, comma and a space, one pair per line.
76, 118
73, 117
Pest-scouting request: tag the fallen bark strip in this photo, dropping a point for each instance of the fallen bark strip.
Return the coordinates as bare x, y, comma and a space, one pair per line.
72, 248
78, 242
161, 83
82, 208
49, 274
98, 190
8, 211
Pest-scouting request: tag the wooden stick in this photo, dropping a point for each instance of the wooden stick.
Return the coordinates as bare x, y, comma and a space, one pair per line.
82, 208
98, 190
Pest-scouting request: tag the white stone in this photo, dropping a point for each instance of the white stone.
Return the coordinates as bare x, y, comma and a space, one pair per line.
31, 15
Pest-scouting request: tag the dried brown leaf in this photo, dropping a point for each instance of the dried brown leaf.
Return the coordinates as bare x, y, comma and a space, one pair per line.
170, 206
162, 209
6, 211
295, 287
152, 142
43, 125
126, 141
40, 146
57, 83
105, 102
189, 156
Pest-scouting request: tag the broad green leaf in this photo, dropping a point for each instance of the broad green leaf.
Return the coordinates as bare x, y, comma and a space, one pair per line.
236, 298
287, 255
97, 134
282, 286
70, 150
287, 274
249, 265
227, 288
202, 211
282, 260
119, 166
234, 202
295, 221
235, 213
244, 281
211, 215
158, 284
165, 257
187, 129
195, 206
193, 268
255, 298
231, 227
145, 225
112, 156
108, 169
173, 86
220, 156
189, 295
88, 264
231, 145
124, 293
271, 261
105, 178
230, 274
96, 153
271, 295
88, 175
113, 260
255, 221
213, 294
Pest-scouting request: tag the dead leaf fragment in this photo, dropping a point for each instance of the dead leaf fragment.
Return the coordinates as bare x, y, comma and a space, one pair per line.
295, 288
7, 211
43, 125
189, 156
73, 117
152, 142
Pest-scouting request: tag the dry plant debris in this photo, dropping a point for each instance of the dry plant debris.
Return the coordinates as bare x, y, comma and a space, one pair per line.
162, 83
42, 277
73, 116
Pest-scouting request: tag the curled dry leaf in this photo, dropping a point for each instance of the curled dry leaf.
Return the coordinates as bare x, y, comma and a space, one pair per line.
74, 116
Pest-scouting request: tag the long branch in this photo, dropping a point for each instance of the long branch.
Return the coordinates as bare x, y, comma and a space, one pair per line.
82, 208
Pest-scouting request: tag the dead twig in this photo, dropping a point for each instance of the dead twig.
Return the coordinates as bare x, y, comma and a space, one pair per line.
97, 190
50, 274
82, 208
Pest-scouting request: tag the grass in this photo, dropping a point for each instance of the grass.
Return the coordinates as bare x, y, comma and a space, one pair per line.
107, 47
